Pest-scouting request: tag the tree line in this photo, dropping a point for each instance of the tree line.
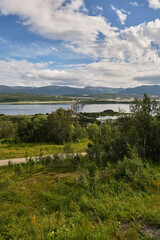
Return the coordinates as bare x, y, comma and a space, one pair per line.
109, 141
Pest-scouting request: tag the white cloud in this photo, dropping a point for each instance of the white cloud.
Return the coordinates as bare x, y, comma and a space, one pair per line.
135, 44
128, 54
129, 57
155, 4
122, 14
35, 44
54, 49
3, 41
59, 20
104, 73
134, 4
99, 8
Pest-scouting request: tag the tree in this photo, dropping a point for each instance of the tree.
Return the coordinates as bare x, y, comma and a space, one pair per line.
145, 123
7, 129
58, 126
139, 130
25, 132
93, 132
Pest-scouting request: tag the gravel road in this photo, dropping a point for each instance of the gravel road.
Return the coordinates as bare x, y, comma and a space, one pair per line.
23, 160
15, 160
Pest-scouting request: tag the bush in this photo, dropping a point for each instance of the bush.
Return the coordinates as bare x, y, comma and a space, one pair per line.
50, 161
47, 160
128, 168
136, 171
78, 161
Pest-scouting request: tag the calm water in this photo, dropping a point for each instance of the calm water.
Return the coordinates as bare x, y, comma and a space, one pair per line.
31, 109
101, 107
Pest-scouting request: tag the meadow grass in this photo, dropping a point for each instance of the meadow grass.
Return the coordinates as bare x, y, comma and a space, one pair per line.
59, 202
20, 150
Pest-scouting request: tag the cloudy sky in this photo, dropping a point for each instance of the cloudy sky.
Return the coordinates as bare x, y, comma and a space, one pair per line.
108, 43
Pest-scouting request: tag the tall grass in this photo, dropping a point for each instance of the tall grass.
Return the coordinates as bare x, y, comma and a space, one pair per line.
79, 201
19, 150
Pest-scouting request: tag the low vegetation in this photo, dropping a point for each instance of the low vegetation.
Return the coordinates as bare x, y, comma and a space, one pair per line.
23, 97
74, 199
21, 150
110, 193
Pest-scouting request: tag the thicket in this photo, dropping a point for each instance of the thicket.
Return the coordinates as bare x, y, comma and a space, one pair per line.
139, 130
58, 127
109, 141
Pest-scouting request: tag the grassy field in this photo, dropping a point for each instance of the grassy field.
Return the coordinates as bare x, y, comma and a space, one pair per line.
9, 151
60, 202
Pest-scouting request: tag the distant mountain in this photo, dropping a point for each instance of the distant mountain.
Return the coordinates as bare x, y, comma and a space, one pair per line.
89, 90
59, 90
149, 90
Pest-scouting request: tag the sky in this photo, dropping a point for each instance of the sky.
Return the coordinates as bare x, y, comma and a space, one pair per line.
101, 43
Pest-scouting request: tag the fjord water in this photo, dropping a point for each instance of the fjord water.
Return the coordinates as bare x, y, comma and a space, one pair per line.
116, 107
31, 109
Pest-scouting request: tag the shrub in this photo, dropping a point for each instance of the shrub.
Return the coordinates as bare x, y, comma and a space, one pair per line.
136, 171
68, 149
78, 161
17, 169
129, 167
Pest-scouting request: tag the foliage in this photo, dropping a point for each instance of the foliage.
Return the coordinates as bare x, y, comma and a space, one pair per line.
23, 97
57, 127
39, 202
93, 132
141, 130
11, 150
111, 193
7, 129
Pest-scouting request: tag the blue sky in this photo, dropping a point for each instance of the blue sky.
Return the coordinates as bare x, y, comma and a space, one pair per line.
108, 43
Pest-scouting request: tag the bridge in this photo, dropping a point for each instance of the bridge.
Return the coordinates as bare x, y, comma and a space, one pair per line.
75, 107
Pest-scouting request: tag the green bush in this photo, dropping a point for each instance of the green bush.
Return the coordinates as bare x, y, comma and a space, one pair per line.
137, 171
78, 161
128, 168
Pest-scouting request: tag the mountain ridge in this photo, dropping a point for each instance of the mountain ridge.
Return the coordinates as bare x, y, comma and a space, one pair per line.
88, 90
59, 90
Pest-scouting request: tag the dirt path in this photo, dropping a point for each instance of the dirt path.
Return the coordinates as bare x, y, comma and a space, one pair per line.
15, 160
23, 160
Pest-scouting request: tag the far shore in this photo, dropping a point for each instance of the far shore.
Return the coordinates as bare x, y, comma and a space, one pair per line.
39, 102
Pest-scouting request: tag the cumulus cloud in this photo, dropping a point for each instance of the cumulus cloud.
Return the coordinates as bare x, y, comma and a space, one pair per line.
155, 4
103, 73
122, 14
126, 53
58, 20
47, 19
139, 44
134, 4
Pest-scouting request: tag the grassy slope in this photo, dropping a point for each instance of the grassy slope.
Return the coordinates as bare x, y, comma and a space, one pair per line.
9, 151
53, 203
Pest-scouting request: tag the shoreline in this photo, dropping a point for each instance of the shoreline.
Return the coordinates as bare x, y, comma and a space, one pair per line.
37, 102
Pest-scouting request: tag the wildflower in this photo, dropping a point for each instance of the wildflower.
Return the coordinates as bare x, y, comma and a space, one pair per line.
34, 218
